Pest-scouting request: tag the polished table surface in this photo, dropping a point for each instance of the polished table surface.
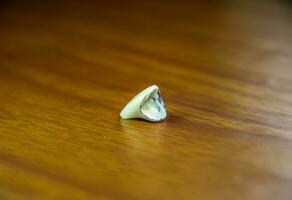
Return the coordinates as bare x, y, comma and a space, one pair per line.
225, 72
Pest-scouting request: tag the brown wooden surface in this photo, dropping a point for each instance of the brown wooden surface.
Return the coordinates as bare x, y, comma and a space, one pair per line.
224, 69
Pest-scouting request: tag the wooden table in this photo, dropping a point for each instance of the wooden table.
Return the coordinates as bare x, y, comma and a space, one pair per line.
225, 72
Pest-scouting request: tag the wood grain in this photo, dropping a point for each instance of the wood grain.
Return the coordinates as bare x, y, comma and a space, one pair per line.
224, 69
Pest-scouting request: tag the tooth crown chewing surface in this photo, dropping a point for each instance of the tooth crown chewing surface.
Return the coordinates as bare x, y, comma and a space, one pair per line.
147, 105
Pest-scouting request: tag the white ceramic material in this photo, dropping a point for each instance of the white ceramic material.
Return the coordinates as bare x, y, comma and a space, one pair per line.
148, 105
